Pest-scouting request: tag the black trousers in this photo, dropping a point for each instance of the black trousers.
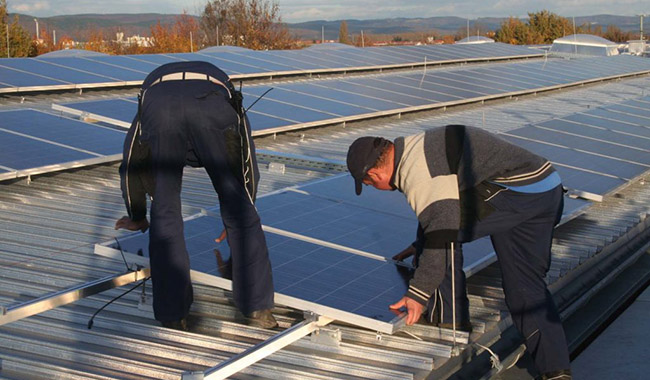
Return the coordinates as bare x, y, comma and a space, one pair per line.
521, 230
191, 120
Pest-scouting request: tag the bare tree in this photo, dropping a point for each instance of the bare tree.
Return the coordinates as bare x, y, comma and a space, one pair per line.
254, 24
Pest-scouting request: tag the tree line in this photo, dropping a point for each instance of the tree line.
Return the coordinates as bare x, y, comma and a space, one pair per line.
257, 25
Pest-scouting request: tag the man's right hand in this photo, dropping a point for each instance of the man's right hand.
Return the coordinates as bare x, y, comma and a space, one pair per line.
405, 254
126, 223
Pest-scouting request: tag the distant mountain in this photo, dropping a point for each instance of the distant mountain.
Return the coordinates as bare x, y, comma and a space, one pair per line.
79, 27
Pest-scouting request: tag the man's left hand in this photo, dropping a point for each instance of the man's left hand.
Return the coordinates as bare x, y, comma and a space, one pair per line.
413, 307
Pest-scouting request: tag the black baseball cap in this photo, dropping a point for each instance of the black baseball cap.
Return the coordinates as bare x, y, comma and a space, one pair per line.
362, 156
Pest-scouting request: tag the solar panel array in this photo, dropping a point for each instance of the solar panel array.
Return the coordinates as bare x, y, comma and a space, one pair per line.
330, 250
43, 73
596, 150
33, 142
318, 102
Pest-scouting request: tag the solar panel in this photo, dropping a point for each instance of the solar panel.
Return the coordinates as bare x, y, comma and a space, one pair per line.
309, 272
112, 72
118, 112
305, 275
34, 141
52, 71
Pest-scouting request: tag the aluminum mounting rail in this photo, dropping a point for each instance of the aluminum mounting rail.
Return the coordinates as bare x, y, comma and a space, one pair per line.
258, 352
66, 296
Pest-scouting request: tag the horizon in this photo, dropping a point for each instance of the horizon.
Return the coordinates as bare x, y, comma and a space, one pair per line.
299, 11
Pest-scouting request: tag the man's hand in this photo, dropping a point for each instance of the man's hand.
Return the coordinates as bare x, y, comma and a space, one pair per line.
222, 236
414, 309
405, 254
126, 223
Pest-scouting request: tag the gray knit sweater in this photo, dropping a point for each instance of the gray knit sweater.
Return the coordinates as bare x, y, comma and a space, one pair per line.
436, 170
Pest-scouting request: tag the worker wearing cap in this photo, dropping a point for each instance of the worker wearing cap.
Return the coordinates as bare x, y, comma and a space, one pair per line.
464, 183
190, 114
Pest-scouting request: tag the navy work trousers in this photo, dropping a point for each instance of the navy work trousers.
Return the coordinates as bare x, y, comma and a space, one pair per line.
185, 119
521, 230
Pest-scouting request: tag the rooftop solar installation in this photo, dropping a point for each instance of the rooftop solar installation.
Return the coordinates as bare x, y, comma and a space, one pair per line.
55, 72
304, 104
34, 141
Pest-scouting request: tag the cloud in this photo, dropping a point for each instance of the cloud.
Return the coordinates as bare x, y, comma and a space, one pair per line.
31, 7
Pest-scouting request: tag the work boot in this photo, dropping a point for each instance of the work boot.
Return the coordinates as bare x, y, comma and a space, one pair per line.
261, 318
564, 374
180, 324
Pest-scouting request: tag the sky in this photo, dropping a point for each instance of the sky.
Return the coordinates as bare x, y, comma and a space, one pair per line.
306, 10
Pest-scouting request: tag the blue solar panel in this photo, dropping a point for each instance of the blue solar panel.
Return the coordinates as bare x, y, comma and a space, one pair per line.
126, 61
609, 124
612, 150
568, 159
118, 109
320, 89
72, 133
54, 72
307, 271
597, 133
638, 110
605, 113
15, 78
111, 72
251, 60
21, 152
283, 95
